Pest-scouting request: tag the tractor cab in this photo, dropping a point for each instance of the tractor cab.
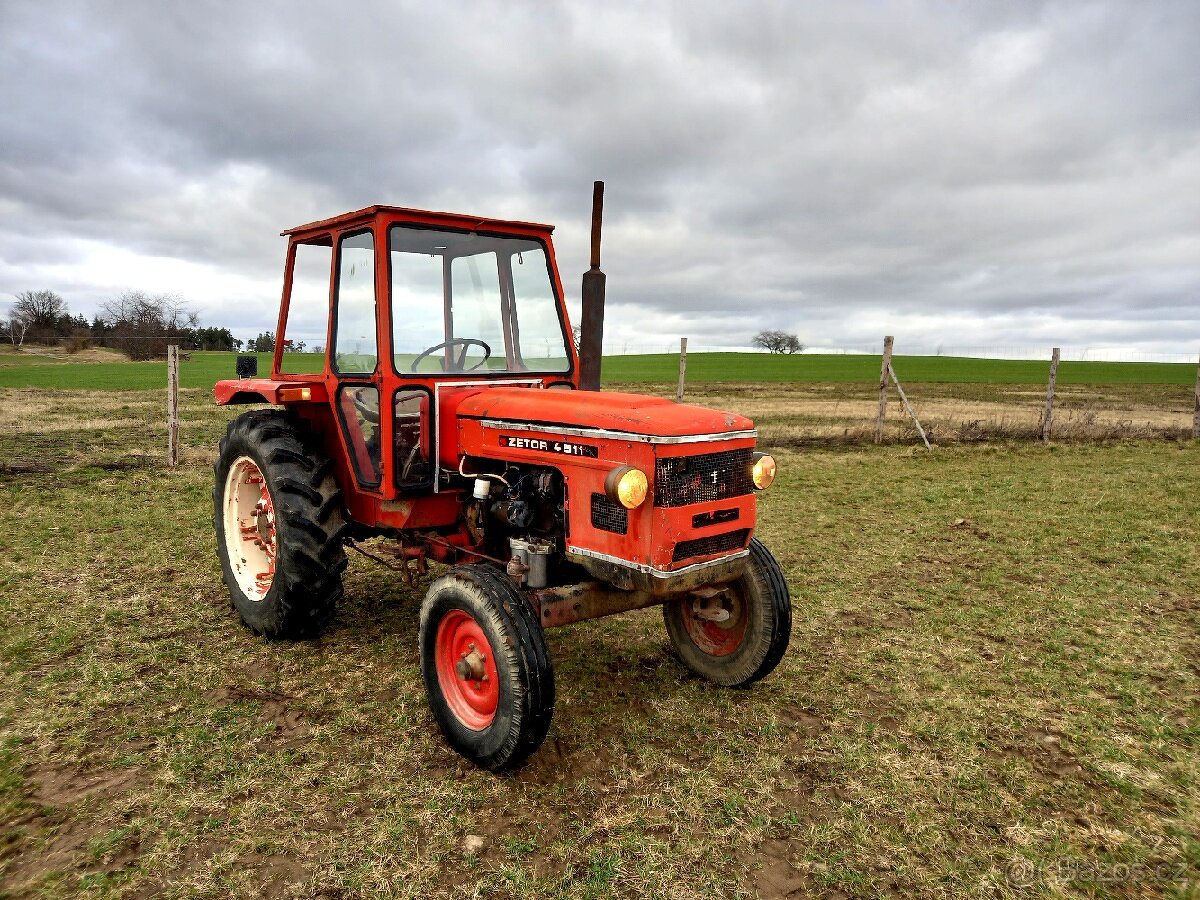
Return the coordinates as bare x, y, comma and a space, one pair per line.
410, 307
449, 417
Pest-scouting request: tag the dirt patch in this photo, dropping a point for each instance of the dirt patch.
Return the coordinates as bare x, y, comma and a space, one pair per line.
48, 839
561, 760
291, 723
777, 876
275, 876
63, 785
61, 853
25, 467
802, 723
1043, 749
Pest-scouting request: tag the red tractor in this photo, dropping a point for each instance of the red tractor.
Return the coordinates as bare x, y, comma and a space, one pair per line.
449, 416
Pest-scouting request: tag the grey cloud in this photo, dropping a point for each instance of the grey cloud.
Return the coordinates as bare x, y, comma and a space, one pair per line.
830, 168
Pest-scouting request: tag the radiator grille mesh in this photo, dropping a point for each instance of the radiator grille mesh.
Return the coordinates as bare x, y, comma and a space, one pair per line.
609, 516
706, 546
684, 480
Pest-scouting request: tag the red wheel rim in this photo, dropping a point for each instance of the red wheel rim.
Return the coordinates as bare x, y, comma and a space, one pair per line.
466, 670
717, 638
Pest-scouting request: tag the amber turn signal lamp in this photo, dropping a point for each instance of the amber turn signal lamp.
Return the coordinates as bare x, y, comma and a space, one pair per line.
627, 486
291, 395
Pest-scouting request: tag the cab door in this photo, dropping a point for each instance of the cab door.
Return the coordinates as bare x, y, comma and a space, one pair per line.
354, 357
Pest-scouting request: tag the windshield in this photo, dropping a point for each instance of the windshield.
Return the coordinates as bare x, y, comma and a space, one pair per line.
467, 302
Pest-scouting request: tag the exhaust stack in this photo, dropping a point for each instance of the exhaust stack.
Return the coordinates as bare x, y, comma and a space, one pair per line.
591, 334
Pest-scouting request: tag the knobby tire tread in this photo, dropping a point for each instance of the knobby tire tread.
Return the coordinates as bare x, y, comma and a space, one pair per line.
309, 528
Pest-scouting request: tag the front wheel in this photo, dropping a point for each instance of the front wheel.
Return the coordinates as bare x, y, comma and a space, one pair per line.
485, 666
740, 632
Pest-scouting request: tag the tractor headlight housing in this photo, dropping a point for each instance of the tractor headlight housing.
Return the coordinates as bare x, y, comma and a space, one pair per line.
763, 471
627, 486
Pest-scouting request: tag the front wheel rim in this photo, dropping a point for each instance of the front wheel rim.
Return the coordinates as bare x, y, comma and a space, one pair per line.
718, 638
251, 540
466, 670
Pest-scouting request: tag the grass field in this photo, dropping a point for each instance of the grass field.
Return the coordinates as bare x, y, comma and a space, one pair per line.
202, 369
992, 689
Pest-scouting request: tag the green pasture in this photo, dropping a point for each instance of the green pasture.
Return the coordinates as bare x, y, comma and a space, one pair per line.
202, 369
992, 690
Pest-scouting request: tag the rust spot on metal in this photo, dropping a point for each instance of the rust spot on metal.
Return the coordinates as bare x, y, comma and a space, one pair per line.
587, 600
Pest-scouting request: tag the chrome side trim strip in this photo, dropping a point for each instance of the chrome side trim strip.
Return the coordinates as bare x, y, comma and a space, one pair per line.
619, 435
650, 570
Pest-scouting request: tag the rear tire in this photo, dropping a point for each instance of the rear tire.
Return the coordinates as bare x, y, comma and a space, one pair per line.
750, 643
485, 665
277, 512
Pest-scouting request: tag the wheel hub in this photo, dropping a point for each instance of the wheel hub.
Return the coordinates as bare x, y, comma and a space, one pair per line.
466, 670
470, 665
251, 540
715, 619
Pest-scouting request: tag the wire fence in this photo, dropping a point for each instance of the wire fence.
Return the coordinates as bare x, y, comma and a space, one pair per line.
1081, 353
617, 347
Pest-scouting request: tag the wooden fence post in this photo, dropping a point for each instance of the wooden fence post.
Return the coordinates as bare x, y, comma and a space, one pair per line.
682, 369
1196, 414
1048, 415
173, 405
884, 370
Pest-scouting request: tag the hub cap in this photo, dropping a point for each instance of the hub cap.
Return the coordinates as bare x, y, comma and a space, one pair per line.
716, 625
250, 538
466, 670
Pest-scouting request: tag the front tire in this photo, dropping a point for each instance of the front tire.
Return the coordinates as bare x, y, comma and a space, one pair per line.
278, 518
748, 643
485, 666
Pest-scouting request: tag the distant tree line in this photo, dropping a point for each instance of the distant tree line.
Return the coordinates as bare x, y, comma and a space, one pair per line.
140, 324
265, 343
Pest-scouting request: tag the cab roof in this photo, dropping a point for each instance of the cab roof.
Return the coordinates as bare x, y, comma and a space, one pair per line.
418, 216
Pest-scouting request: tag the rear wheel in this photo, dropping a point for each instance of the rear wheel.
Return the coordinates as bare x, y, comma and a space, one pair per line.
740, 632
277, 514
485, 665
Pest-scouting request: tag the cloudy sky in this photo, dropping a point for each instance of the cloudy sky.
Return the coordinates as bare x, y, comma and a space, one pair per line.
961, 175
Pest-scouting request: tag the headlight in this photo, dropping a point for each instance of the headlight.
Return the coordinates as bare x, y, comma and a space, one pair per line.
763, 472
627, 486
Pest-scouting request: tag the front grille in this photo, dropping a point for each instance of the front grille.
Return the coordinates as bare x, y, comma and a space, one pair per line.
609, 516
706, 546
684, 480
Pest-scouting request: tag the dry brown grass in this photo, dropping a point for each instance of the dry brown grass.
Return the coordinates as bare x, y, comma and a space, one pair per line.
803, 414
62, 354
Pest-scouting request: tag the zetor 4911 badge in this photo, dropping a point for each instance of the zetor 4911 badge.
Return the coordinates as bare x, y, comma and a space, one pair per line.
452, 417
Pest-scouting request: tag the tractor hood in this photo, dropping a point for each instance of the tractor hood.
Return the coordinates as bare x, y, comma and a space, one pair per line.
635, 414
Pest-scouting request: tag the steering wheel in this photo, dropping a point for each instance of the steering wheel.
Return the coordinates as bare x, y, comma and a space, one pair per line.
366, 401
456, 363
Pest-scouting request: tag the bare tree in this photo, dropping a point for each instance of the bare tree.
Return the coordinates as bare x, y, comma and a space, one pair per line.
15, 329
40, 307
43, 315
144, 324
778, 341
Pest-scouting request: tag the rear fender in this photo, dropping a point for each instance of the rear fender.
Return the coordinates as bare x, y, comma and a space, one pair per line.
267, 390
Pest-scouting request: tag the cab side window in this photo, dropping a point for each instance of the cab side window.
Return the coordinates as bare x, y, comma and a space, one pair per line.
308, 307
356, 348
